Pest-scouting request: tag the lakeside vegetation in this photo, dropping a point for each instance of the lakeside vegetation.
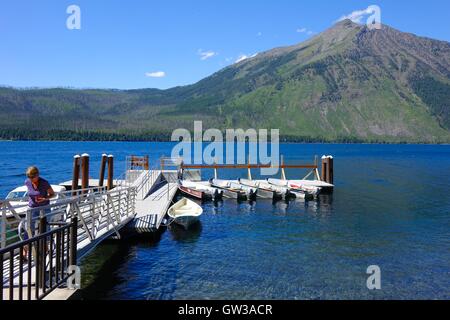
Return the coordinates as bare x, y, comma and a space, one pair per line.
60, 135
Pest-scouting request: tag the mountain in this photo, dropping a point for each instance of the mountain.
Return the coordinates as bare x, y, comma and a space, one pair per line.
348, 83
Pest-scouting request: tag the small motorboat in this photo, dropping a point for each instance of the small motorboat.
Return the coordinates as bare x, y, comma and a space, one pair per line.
200, 191
313, 187
296, 189
234, 191
265, 190
18, 199
185, 212
251, 192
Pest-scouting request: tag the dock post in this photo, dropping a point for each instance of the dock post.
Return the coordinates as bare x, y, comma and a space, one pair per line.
75, 175
102, 170
110, 185
73, 241
324, 169
330, 170
85, 172
147, 163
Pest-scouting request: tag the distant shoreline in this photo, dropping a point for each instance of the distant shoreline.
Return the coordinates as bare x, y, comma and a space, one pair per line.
281, 142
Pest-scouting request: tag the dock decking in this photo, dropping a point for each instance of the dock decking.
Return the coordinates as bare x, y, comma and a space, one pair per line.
151, 211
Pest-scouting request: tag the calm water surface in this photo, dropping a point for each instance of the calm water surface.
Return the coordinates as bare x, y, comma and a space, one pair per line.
391, 208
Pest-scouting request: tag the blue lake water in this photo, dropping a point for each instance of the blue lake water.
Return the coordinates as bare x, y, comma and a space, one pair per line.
391, 208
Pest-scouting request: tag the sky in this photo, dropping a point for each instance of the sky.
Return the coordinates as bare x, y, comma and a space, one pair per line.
165, 43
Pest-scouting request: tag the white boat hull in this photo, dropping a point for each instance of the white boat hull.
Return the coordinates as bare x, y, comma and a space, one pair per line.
264, 190
185, 212
300, 191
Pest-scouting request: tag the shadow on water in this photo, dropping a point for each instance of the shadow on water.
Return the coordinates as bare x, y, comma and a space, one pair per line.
101, 270
182, 235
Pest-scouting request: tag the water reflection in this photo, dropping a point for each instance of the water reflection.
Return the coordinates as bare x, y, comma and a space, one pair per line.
100, 271
180, 234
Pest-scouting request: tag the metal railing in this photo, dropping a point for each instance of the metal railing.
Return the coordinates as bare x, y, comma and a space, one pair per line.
149, 179
98, 212
33, 268
75, 224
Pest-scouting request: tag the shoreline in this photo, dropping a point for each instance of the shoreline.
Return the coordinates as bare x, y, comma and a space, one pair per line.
205, 142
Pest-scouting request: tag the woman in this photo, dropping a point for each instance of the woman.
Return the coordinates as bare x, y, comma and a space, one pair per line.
39, 192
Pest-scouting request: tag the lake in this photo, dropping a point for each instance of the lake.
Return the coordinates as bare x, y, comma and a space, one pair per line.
390, 208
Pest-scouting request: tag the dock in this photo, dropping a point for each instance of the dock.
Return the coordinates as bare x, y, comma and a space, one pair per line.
79, 220
156, 190
151, 211
89, 212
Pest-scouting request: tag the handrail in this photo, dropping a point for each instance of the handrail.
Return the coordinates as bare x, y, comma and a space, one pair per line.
48, 257
95, 211
62, 193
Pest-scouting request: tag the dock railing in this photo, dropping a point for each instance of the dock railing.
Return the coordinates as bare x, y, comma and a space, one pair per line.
141, 180
148, 181
95, 214
33, 268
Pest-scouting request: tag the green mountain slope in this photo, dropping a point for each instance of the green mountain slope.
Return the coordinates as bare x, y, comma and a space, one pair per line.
346, 84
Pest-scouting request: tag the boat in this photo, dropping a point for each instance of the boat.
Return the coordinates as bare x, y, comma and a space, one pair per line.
229, 191
265, 190
185, 212
18, 199
312, 186
199, 190
251, 192
300, 191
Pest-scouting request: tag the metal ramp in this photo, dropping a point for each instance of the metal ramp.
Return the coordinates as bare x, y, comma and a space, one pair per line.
79, 221
151, 211
92, 216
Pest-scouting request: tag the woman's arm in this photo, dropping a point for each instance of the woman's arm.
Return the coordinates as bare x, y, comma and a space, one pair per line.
50, 193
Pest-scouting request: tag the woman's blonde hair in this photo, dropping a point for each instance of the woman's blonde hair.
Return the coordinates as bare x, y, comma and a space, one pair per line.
32, 172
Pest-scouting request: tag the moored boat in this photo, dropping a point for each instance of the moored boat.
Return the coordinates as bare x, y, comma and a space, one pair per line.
296, 189
265, 190
18, 199
185, 212
200, 191
311, 186
251, 192
194, 193
229, 191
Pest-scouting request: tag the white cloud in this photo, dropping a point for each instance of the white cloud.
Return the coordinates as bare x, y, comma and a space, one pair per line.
205, 55
305, 31
243, 57
358, 15
157, 74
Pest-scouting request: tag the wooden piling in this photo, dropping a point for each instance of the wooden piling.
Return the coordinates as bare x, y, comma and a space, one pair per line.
75, 174
330, 170
85, 172
102, 170
147, 163
324, 176
110, 185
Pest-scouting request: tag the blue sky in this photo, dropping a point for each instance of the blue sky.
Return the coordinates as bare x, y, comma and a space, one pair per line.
166, 43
